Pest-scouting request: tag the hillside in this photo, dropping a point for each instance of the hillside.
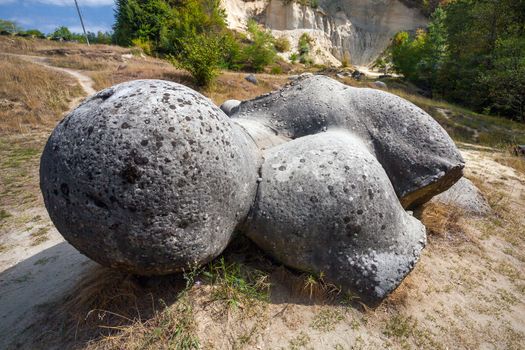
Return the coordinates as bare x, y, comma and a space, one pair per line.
359, 29
467, 291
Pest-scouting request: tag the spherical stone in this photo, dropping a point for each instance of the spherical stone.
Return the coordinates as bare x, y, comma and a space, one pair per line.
419, 157
229, 106
148, 176
326, 205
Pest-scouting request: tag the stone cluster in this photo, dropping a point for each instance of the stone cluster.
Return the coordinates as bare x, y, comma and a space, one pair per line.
151, 177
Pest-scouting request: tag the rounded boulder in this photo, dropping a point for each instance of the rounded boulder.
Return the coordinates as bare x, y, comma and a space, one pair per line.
325, 205
148, 176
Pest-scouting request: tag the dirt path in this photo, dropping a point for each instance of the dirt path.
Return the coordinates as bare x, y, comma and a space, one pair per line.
85, 81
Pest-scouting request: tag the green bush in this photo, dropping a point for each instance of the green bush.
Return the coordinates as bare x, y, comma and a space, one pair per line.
305, 47
276, 70
261, 51
294, 57
282, 44
201, 56
144, 45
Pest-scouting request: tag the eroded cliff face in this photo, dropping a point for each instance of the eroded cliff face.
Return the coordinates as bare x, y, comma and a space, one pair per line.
360, 29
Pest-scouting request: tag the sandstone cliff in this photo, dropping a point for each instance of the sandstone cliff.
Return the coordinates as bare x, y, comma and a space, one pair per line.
360, 29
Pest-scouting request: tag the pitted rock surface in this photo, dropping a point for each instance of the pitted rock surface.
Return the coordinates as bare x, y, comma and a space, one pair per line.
148, 176
326, 205
416, 152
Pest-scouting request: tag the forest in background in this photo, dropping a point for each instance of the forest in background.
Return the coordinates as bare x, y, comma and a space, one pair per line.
473, 54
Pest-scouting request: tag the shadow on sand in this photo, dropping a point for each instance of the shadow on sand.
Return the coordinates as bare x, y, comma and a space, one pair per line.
61, 299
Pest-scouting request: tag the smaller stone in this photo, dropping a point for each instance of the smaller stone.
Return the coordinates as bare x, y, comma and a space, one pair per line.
380, 85
519, 150
465, 196
252, 79
230, 106
357, 75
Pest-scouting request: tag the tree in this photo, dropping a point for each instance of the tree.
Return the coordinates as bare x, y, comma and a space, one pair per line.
62, 33
506, 80
472, 54
407, 53
9, 27
35, 33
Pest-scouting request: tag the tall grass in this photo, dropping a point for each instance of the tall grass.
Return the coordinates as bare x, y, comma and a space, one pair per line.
31, 95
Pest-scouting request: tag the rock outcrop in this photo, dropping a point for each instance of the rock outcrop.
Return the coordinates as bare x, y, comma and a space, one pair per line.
150, 177
361, 29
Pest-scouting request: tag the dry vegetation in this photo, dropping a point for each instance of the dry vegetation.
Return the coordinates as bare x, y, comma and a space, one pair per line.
468, 290
32, 96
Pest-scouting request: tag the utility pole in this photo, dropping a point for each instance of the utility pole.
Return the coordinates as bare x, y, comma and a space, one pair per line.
82, 22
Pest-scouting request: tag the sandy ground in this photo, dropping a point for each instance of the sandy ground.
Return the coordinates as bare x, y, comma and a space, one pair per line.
467, 292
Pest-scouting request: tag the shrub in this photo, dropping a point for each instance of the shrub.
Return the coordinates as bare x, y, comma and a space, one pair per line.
276, 70
144, 45
345, 61
305, 46
261, 51
282, 44
294, 57
201, 56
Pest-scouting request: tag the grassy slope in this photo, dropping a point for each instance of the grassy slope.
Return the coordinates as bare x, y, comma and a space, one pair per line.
466, 292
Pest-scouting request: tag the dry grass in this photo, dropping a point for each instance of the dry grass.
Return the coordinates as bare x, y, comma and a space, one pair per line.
106, 306
79, 62
32, 96
30, 46
508, 158
229, 85
442, 221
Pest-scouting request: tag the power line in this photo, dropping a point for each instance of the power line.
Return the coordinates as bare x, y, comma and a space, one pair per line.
82, 22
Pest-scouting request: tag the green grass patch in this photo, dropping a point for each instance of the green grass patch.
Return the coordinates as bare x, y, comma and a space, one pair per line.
4, 215
18, 156
235, 283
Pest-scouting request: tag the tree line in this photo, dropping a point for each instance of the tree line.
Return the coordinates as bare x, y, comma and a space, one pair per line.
60, 33
472, 53
193, 34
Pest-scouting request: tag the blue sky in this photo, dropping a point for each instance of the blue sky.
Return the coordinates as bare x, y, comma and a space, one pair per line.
46, 15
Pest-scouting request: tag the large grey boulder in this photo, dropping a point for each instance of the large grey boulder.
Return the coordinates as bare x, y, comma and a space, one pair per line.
416, 152
326, 205
148, 176
464, 196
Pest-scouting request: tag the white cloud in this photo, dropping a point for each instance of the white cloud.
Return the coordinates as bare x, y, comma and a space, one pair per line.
86, 3
89, 3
